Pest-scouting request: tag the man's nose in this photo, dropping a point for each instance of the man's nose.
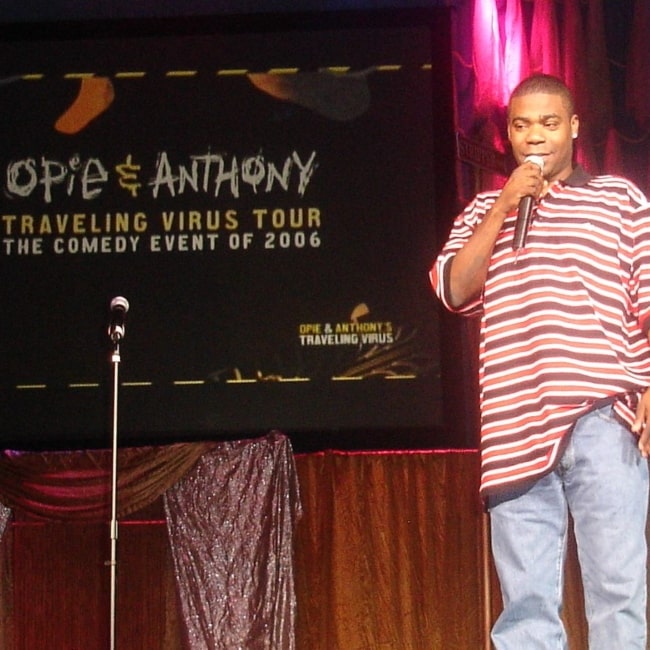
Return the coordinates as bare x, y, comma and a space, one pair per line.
535, 133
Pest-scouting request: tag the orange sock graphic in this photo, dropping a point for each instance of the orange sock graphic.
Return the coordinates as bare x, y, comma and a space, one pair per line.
95, 96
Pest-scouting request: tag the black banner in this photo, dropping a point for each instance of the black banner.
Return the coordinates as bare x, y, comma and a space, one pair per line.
267, 203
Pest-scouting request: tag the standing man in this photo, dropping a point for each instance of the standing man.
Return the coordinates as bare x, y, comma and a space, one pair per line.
564, 376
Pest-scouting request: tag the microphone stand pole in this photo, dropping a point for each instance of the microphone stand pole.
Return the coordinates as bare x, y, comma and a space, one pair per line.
115, 358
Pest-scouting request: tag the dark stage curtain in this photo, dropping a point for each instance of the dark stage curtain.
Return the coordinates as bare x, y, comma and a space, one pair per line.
390, 553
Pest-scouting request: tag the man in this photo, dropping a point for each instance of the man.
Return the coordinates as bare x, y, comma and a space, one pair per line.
564, 375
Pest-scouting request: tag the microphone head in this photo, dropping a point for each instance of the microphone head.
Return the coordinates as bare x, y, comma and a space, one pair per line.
119, 303
536, 160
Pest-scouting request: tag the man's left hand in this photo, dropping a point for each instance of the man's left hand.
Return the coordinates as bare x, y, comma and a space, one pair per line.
641, 425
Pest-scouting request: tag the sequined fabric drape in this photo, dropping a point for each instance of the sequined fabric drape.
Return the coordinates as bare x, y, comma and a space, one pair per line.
230, 523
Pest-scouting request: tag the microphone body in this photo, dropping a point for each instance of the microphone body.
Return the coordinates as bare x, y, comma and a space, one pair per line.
525, 212
116, 327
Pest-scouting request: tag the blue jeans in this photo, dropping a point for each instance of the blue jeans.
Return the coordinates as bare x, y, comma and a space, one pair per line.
603, 481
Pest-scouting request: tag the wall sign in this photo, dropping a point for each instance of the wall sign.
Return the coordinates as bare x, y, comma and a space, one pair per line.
268, 202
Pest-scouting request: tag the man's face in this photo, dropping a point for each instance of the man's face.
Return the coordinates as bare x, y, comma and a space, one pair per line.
540, 124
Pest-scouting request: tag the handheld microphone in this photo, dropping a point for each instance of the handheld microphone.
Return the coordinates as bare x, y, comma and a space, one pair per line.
525, 213
116, 327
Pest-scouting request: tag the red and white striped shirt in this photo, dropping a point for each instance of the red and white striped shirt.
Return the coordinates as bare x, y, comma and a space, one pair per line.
564, 321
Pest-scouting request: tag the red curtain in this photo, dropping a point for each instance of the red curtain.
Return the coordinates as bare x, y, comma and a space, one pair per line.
638, 76
579, 41
544, 45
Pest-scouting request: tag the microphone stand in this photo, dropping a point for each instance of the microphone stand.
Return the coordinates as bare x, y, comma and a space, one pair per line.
115, 359
119, 307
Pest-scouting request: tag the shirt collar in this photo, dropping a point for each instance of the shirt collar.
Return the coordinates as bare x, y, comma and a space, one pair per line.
579, 176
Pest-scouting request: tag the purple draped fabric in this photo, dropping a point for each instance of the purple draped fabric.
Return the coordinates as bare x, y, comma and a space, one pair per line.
598, 112
487, 55
574, 46
544, 40
516, 59
230, 522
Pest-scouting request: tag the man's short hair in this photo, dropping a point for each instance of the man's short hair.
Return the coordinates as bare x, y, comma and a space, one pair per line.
544, 83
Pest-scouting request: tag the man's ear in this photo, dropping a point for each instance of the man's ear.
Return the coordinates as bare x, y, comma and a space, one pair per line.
575, 124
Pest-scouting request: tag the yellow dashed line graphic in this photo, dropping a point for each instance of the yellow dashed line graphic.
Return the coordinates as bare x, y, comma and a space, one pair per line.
224, 72
283, 70
181, 73
130, 75
232, 72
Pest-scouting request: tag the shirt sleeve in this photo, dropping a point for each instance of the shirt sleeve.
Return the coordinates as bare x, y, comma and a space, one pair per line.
640, 226
461, 231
